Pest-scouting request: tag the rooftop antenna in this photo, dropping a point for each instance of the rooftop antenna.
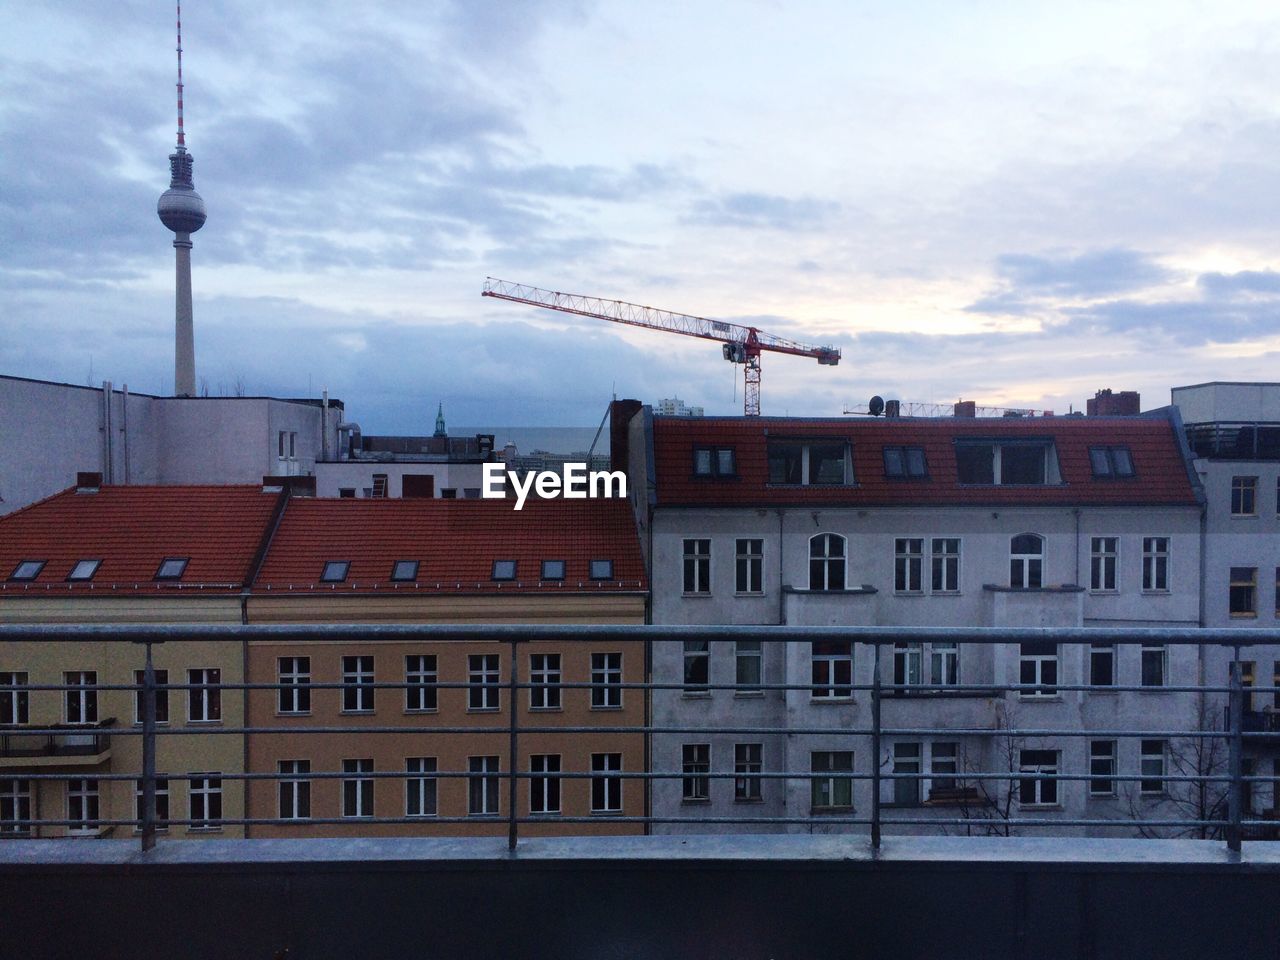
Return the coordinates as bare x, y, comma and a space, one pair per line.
182, 210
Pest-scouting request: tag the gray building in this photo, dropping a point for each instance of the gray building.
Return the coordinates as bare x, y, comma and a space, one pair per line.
1005, 522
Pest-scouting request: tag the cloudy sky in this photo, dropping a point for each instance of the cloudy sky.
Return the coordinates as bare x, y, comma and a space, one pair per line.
1013, 203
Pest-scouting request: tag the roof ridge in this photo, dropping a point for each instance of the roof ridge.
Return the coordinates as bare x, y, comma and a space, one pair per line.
42, 500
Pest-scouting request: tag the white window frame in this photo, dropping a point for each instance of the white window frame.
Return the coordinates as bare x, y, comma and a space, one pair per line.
822, 559
544, 681
830, 782
908, 757
84, 807
606, 680
293, 789
606, 785
944, 664
162, 804
1157, 653
1101, 651
828, 664
748, 764
81, 703
748, 654
15, 699
294, 693
204, 695
1104, 564
695, 767
421, 787
944, 765
1153, 762
749, 566
696, 568
1102, 761
1026, 570
358, 691
908, 566
1040, 788
484, 695
1247, 488
544, 786
15, 807
697, 652
1038, 661
357, 789
944, 566
421, 675
1155, 564
204, 792
483, 786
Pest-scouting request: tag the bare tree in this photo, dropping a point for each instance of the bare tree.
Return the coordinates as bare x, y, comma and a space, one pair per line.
984, 798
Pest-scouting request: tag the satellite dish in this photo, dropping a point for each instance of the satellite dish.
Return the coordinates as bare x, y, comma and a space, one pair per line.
875, 406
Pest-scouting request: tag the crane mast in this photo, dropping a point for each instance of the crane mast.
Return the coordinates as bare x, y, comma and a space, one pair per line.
740, 344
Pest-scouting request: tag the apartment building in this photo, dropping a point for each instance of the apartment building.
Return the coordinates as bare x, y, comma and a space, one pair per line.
1004, 522
440, 561
138, 554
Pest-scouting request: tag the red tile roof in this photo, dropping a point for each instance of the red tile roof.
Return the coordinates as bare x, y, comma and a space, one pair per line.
455, 542
1161, 472
131, 530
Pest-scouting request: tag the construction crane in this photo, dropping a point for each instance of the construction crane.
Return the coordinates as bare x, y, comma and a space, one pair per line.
740, 344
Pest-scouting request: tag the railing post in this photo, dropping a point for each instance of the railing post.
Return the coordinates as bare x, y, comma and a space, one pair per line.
1235, 745
875, 751
513, 752
148, 824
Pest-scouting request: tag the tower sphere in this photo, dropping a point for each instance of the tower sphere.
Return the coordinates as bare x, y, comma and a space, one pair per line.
181, 209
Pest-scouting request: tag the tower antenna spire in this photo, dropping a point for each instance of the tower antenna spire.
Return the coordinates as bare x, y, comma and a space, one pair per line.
182, 137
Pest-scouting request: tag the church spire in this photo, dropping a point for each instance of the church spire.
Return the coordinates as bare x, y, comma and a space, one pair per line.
440, 430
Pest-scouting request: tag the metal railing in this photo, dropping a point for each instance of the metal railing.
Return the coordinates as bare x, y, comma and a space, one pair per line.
1014, 779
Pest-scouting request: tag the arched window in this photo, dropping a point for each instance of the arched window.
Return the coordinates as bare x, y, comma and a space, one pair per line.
826, 562
1026, 560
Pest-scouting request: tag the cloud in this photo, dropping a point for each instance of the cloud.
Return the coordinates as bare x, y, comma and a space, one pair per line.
763, 210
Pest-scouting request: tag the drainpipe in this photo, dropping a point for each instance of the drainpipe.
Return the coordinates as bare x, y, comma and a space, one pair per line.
106, 432
124, 427
324, 424
1076, 575
782, 612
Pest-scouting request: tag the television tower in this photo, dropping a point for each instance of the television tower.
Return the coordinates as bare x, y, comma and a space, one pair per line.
182, 210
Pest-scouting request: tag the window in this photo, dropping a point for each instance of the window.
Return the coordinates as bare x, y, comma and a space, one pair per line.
832, 669
288, 444
696, 785
945, 660
831, 787
544, 786
82, 807
404, 570
748, 663
943, 767
697, 666
81, 699
503, 570
1104, 553
1042, 791
1026, 561
601, 570
1244, 496
15, 807
1155, 665
205, 795
294, 677
1247, 674
1152, 767
1155, 564
482, 786
1038, 666
697, 566
357, 684
420, 678
908, 566
1102, 664
749, 566
826, 562
204, 698
714, 462
905, 463
357, 789
747, 767
906, 760
946, 565
544, 681
162, 696
293, 789
1111, 462
482, 679
552, 569
420, 787
820, 463
84, 570
15, 703
27, 570
1102, 763
162, 804
606, 681
347, 493
171, 568
606, 785
907, 662
1023, 462
1243, 595
335, 571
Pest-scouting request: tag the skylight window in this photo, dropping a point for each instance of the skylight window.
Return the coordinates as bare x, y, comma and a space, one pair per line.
905, 463
552, 569
601, 569
84, 570
504, 570
27, 570
1109, 462
335, 571
405, 570
172, 568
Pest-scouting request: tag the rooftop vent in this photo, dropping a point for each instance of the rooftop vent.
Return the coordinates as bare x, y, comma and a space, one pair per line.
966, 408
88, 482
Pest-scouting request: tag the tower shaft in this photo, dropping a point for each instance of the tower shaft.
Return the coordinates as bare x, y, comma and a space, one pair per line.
184, 336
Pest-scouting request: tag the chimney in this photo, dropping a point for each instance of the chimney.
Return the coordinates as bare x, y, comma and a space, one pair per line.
893, 408
620, 414
88, 482
1127, 403
966, 408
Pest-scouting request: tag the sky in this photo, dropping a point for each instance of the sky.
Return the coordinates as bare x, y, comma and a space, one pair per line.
1015, 203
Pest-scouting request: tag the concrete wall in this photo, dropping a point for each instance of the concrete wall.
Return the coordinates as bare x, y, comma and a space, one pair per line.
358, 475
1226, 402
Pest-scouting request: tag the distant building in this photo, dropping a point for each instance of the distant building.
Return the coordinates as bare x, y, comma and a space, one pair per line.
1126, 403
675, 407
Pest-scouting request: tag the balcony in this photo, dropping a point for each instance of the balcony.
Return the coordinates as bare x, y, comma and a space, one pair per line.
82, 745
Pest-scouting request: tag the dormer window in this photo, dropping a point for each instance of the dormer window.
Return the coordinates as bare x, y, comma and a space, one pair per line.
1007, 462
405, 570
714, 462
27, 570
810, 463
84, 570
172, 568
552, 569
905, 463
1111, 462
335, 571
601, 569
504, 570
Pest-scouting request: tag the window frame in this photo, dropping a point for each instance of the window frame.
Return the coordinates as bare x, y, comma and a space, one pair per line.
293, 789
748, 765
498, 572
357, 790
359, 673
944, 565
15, 807
1034, 761
76, 576
83, 807
162, 804
22, 573
398, 571
715, 467
1156, 553
204, 695
15, 700
1148, 755
1097, 654
421, 678
1244, 494
421, 787
204, 789
601, 570
908, 566
606, 785
1030, 566
748, 567
830, 660
786, 446
165, 572
1104, 564
484, 679
484, 793
695, 769
606, 680
1112, 462
1157, 653
697, 660
545, 785
82, 692
1242, 588
335, 571
696, 567
906, 469
545, 677
826, 562
832, 779
547, 565
294, 686
1037, 660
745, 654
1102, 762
